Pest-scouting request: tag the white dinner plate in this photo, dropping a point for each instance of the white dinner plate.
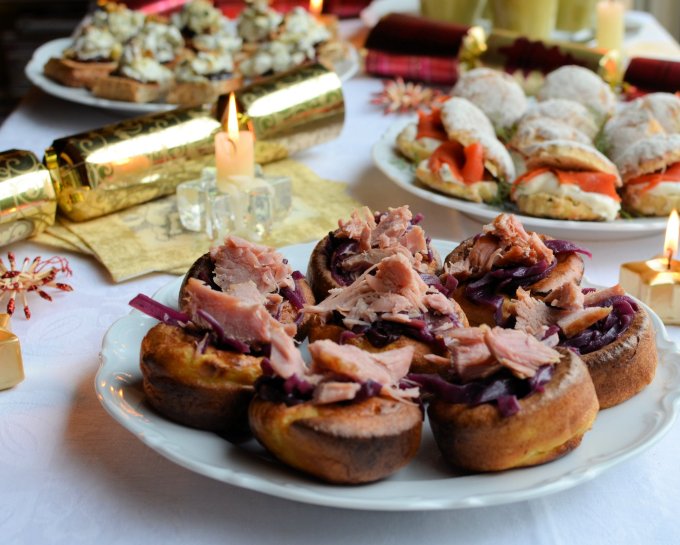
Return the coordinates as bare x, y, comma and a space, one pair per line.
426, 483
345, 68
402, 172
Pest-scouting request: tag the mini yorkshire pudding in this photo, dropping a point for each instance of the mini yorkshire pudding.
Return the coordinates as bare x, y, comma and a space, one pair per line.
237, 261
208, 389
489, 268
347, 418
390, 307
547, 425
364, 240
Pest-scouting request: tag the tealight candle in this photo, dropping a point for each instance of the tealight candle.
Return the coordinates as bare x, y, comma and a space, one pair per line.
11, 366
609, 24
656, 281
234, 150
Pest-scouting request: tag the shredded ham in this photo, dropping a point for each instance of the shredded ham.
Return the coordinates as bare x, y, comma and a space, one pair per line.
532, 315
503, 242
393, 232
396, 292
478, 352
240, 320
595, 297
519, 352
238, 260
573, 322
568, 296
334, 392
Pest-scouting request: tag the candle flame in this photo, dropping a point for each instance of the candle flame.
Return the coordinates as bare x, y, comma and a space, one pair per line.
670, 245
232, 119
316, 7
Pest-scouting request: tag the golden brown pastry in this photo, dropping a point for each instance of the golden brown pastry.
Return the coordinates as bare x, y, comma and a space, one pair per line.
490, 267
547, 404
387, 307
363, 241
357, 430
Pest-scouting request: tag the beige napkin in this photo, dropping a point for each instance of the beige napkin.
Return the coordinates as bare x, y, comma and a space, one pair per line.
150, 238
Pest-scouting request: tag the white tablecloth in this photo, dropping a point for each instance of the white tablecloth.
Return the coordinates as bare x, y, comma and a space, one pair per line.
69, 474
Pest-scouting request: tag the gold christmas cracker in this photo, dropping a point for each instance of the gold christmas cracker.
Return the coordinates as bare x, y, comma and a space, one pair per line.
140, 159
291, 112
27, 199
149, 237
130, 162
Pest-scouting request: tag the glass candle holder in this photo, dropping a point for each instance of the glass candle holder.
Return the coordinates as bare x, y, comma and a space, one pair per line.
249, 206
534, 19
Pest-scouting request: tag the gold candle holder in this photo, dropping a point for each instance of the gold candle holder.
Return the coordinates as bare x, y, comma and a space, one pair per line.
11, 365
656, 281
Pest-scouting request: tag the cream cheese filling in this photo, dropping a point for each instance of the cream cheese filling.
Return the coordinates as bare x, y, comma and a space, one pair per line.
547, 182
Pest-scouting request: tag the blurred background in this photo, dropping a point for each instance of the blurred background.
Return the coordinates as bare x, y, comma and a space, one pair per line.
28, 24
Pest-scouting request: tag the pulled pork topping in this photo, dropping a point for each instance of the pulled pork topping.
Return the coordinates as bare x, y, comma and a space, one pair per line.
238, 260
366, 238
585, 320
338, 373
492, 365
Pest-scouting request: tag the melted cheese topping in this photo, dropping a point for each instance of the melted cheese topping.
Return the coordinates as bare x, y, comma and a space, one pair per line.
546, 182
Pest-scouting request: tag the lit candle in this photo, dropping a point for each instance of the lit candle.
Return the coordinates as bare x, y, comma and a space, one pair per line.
656, 281
329, 21
316, 7
609, 26
234, 150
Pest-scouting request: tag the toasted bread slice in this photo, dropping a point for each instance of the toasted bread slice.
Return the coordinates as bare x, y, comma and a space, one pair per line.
76, 73
128, 90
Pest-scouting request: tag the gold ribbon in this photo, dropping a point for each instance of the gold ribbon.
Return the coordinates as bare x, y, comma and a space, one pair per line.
11, 365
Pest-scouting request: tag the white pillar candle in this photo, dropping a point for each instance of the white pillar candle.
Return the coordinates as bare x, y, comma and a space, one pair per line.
610, 25
234, 151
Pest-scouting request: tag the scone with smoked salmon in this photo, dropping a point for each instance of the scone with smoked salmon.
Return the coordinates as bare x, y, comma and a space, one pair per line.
418, 140
510, 401
390, 306
567, 111
472, 163
345, 419
364, 240
609, 330
650, 169
488, 268
238, 266
576, 83
496, 93
568, 180
632, 123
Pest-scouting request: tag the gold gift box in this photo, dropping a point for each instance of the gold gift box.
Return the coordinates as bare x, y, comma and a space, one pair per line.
27, 198
11, 365
140, 159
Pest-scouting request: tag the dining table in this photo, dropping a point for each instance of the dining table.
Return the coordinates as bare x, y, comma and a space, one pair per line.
70, 473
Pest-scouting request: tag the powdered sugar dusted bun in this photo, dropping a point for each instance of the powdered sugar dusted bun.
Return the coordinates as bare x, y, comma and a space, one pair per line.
665, 107
567, 111
536, 130
566, 155
580, 84
649, 155
628, 126
462, 119
415, 149
496, 93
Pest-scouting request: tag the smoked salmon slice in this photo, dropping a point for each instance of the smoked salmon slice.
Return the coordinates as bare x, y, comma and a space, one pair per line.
672, 174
